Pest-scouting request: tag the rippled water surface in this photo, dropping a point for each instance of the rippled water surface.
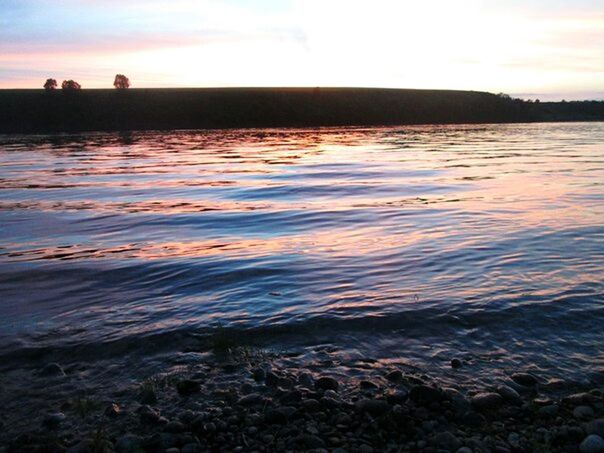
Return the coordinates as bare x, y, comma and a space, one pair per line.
429, 240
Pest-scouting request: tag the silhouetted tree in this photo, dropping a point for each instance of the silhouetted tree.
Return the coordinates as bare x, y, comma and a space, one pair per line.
70, 85
50, 84
121, 82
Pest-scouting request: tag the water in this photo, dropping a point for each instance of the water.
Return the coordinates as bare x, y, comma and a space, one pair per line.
415, 242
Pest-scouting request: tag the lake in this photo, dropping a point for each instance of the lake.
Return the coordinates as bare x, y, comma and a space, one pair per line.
418, 243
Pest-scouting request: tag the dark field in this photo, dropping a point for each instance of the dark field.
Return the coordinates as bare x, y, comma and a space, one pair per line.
31, 111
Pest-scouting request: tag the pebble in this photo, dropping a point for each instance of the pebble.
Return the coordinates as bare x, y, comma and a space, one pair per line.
306, 380
52, 369
53, 420
596, 427
259, 374
253, 399
129, 443
148, 415
486, 400
509, 394
592, 444
548, 411
583, 412
525, 379
147, 396
368, 385
395, 376
188, 387
327, 383
456, 363
424, 394
372, 406
447, 440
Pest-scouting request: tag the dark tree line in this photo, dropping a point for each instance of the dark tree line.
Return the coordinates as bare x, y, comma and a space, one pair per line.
121, 82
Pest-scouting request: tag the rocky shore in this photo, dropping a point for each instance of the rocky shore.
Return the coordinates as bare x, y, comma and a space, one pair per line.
245, 400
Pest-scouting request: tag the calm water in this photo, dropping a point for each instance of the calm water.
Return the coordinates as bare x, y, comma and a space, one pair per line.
415, 241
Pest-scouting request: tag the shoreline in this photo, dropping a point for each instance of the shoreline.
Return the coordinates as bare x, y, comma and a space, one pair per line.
35, 111
248, 399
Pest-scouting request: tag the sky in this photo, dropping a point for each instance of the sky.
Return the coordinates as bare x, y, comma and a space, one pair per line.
546, 49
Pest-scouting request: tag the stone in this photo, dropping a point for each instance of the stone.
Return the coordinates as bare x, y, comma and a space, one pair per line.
175, 427
423, 394
113, 410
486, 400
272, 380
395, 376
311, 405
368, 385
456, 363
548, 411
509, 394
465, 450
52, 369
148, 415
446, 440
147, 396
188, 387
308, 441
259, 374
525, 379
306, 380
253, 399
129, 443
372, 406
191, 448
596, 427
592, 444
327, 383
514, 440
397, 396
583, 412
53, 420
473, 419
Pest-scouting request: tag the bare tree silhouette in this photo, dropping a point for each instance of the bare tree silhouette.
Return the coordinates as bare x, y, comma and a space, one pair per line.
50, 84
70, 85
121, 82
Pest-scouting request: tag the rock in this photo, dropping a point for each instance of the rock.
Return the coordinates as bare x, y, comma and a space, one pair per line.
596, 427
259, 374
253, 399
465, 450
372, 406
52, 369
148, 415
311, 405
509, 394
548, 411
525, 379
308, 441
423, 394
583, 412
188, 387
446, 440
329, 403
365, 449
129, 443
578, 399
486, 400
191, 448
327, 383
113, 410
397, 396
459, 402
473, 419
456, 363
306, 380
395, 376
147, 396
514, 440
368, 385
592, 444
175, 427
53, 420
272, 380
279, 415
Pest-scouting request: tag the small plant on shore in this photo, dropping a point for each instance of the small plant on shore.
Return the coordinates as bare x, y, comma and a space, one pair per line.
121, 82
70, 86
50, 85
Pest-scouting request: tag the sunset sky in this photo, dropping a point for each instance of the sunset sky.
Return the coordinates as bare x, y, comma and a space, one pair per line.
548, 49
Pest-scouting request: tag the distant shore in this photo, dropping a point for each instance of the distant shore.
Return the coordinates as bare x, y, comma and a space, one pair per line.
37, 111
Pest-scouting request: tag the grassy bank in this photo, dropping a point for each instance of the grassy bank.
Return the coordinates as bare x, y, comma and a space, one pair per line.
138, 109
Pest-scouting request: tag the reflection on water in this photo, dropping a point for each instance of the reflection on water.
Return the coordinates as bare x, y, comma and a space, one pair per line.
476, 233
